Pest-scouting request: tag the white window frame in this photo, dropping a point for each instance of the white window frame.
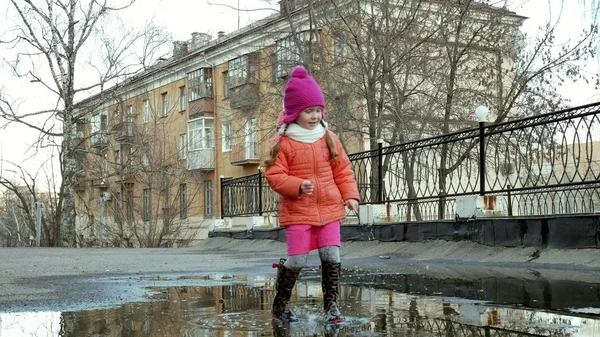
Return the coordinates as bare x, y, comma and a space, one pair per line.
251, 138
146, 204
99, 128
183, 146
200, 83
340, 50
227, 136
201, 136
208, 198
182, 99
290, 54
165, 103
146, 157
146, 104
238, 71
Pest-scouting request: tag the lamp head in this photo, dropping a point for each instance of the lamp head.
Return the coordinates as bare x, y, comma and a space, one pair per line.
482, 113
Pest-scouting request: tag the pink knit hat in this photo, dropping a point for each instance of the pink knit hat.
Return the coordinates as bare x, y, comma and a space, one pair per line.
301, 92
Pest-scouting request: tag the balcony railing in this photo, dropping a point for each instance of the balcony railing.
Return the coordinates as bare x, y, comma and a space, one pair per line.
124, 130
99, 138
243, 96
201, 159
245, 153
200, 106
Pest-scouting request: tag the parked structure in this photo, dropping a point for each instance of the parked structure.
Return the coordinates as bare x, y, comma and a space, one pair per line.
153, 150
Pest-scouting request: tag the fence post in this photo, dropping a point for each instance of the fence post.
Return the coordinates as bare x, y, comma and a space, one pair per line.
509, 201
222, 196
380, 170
482, 116
481, 159
260, 205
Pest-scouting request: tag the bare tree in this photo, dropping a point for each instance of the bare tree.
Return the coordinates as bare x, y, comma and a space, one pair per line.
80, 55
146, 195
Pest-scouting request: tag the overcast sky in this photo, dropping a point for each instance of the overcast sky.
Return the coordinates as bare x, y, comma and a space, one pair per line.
182, 17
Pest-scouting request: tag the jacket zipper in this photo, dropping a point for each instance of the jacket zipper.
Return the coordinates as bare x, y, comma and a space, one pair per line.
317, 183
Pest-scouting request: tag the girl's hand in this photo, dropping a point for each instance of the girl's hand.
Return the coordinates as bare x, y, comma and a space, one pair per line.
306, 187
352, 204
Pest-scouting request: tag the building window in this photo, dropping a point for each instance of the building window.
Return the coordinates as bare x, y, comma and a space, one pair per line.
227, 137
146, 111
117, 207
201, 134
92, 194
117, 116
146, 205
105, 169
99, 128
183, 146
251, 139
200, 83
292, 51
146, 156
340, 50
208, 205
226, 85
79, 130
117, 160
238, 72
183, 206
129, 206
182, 99
165, 104
130, 159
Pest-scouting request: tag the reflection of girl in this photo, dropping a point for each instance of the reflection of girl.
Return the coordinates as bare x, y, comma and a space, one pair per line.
313, 176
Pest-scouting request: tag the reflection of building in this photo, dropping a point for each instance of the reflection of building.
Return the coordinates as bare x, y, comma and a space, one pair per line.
226, 305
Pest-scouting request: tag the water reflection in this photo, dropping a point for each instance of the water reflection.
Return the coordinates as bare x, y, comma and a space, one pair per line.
224, 305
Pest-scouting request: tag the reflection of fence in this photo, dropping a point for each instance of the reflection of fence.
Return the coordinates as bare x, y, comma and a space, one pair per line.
445, 327
546, 164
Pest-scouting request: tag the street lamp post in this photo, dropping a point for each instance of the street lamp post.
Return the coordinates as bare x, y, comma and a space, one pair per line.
482, 116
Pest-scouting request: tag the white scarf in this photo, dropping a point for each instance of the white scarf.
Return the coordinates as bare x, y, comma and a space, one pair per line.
298, 133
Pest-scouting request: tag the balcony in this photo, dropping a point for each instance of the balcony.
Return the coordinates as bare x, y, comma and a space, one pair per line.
243, 96
245, 154
101, 182
201, 159
99, 139
200, 106
124, 131
126, 176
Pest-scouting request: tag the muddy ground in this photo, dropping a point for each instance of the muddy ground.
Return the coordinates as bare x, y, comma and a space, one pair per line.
63, 279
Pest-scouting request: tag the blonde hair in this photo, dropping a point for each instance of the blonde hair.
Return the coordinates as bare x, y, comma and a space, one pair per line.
333, 154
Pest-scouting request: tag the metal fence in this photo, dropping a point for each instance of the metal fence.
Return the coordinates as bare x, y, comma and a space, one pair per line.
542, 165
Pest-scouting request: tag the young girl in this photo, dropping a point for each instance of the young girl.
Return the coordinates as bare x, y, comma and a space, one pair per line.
313, 176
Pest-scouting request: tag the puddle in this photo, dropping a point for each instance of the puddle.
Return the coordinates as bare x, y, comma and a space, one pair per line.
238, 305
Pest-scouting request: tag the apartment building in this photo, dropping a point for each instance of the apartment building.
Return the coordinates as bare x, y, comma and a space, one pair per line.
153, 150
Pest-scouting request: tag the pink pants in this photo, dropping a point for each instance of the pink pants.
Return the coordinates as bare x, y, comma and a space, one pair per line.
302, 239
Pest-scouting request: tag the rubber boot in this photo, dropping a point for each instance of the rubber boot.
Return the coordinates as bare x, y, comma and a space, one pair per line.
286, 279
330, 279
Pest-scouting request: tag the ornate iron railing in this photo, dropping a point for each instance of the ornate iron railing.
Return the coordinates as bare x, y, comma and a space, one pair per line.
540, 165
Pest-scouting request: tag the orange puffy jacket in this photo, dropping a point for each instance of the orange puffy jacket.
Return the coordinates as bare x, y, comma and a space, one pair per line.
333, 182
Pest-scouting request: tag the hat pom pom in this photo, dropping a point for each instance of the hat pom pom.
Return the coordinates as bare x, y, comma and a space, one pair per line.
299, 72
